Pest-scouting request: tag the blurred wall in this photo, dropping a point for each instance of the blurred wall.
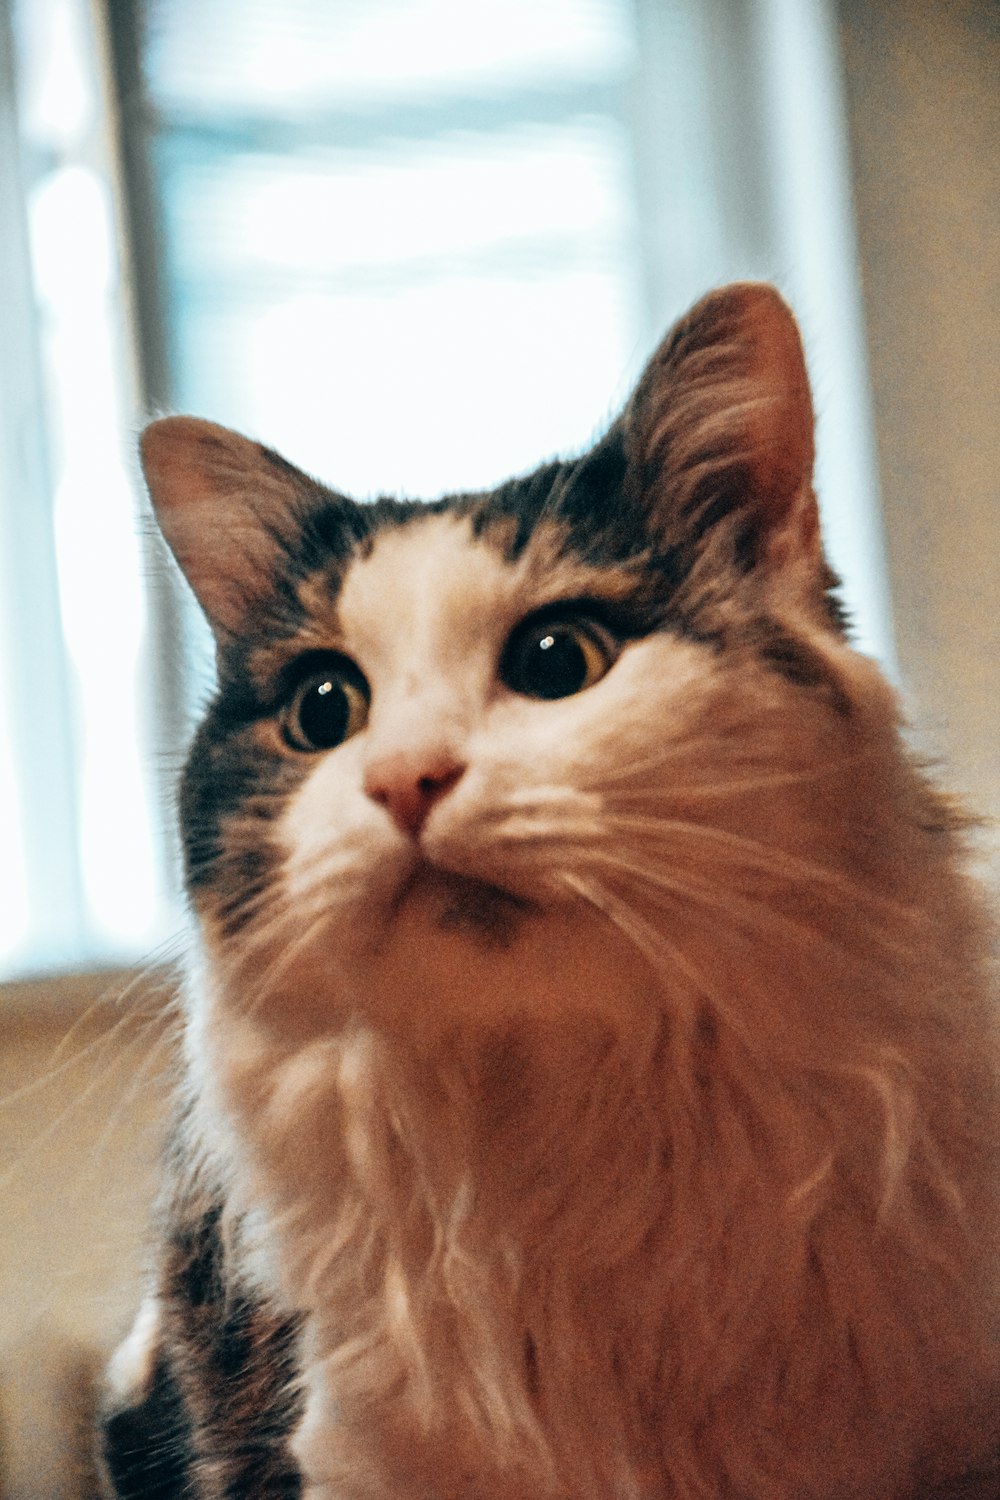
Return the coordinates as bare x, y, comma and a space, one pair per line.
923, 88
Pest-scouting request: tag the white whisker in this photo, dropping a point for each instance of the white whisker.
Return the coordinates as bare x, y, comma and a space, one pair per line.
737, 770
729, 913
114, 1057
279, 943
757, 857
653, 944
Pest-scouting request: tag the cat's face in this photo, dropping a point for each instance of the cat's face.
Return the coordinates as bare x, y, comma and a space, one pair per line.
465, 755
485, 705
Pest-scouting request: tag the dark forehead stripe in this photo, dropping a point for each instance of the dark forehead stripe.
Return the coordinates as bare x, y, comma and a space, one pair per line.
336, 529
591, 498
331, 530
595, 506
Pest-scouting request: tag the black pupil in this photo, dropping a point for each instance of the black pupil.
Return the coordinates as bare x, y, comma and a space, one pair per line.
552, 664
324, 713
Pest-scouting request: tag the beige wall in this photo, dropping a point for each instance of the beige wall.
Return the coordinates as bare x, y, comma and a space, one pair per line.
83, 1071
923, 86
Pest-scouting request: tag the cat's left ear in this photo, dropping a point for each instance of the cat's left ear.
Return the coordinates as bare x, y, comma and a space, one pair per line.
720, 431
224, 504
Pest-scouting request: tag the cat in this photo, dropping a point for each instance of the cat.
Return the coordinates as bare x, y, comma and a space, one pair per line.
592, 1084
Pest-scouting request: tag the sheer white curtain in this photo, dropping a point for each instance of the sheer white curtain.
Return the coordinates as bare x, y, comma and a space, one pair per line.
416, 244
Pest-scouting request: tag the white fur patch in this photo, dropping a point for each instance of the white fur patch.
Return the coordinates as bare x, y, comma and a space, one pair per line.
130, 1370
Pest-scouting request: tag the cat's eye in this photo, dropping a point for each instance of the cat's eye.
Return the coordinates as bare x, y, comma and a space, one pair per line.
330, 703
556, 657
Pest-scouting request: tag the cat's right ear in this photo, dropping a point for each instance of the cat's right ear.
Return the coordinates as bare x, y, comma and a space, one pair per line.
720, 433
223, 504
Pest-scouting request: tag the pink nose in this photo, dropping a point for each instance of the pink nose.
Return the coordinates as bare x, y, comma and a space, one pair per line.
407, 785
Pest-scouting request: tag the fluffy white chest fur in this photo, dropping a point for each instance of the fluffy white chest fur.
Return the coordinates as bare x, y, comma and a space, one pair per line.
591, 1017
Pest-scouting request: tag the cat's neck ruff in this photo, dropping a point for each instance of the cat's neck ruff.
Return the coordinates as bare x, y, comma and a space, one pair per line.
476, 1215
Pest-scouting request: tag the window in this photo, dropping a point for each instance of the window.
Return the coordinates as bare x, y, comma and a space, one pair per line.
82, 868
415, 244
412, 265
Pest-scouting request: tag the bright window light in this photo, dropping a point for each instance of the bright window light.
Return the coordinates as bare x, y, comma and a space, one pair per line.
93, 890
321, 56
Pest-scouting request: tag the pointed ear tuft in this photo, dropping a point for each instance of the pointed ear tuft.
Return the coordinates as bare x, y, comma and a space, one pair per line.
223, 504
721, 425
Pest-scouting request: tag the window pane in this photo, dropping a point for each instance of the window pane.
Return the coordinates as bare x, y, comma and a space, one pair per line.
79, 753
428, 319
229, 57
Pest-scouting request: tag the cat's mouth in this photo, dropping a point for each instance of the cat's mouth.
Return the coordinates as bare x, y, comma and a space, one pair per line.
462, 903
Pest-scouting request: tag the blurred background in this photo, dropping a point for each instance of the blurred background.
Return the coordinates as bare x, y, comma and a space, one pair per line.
419, 245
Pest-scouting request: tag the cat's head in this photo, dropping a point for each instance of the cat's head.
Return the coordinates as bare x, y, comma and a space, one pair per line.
484, 752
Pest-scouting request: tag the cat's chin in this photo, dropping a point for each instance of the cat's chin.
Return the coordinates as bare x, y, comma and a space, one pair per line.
447, 901
458, 952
